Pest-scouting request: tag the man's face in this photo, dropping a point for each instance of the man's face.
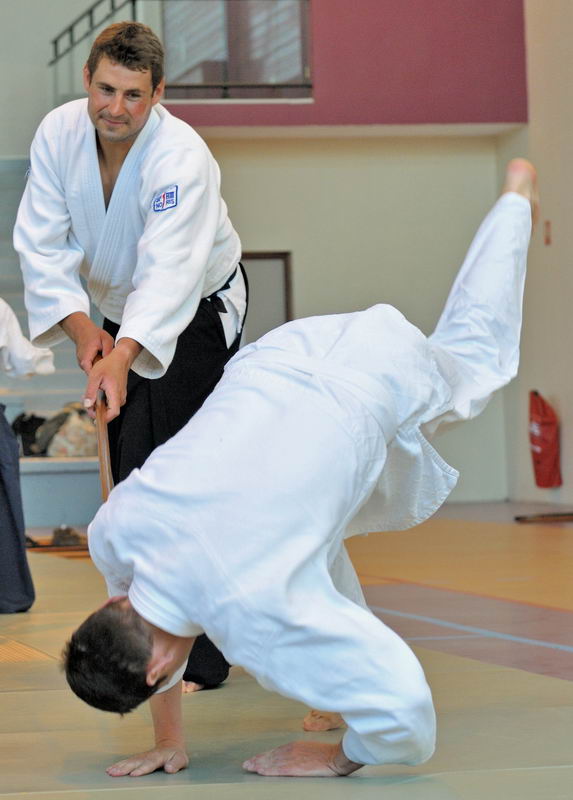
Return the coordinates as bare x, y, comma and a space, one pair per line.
119, 100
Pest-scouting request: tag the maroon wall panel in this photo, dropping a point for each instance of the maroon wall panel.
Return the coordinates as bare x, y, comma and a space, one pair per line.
383, 62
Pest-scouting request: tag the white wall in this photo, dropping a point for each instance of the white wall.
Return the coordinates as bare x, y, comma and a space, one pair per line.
26, 30
546, 362
374, 220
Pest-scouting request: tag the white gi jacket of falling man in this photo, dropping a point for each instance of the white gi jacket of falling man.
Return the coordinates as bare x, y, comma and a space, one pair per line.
164, 242
230, 527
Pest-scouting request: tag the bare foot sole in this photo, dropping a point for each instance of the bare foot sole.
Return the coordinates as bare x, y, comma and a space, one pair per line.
521, 177
191, 686
322, 721
303, 759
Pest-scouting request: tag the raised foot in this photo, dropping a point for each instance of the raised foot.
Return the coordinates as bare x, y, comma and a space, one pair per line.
322, 721
521, 177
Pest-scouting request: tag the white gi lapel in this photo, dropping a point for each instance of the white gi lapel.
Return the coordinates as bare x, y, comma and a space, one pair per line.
125, 194
94, 205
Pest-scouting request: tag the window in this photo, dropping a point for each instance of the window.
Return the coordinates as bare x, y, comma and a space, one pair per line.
236, 49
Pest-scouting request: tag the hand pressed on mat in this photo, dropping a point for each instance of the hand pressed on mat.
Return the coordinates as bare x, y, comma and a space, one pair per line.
169, 752
170, 756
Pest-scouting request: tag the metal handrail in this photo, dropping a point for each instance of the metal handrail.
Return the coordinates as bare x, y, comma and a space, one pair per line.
89, 14
115, 6
225, 87
239, 85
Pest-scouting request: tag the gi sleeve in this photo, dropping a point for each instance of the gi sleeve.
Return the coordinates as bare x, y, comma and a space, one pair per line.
50, 257
183, 211
476, 341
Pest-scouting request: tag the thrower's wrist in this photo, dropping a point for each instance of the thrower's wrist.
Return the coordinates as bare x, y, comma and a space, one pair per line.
128, 349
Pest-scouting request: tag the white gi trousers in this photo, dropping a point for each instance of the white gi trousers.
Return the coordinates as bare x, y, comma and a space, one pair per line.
256, 493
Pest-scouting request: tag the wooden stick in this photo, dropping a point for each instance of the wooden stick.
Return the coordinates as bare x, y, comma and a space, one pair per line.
103, 447
558, 516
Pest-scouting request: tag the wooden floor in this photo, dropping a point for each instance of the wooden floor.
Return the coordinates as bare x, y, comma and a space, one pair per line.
486, 603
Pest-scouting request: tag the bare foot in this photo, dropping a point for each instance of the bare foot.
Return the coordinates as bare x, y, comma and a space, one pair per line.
191, 686
303, 760
521, 177
322, 721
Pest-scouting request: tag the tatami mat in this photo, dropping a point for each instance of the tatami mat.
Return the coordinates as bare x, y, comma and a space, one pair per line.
504, 733
14, 652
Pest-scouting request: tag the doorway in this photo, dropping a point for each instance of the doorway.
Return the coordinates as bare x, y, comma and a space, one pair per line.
270, 300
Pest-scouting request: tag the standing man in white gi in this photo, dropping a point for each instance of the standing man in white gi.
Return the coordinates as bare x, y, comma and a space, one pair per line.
257, 492
127, 196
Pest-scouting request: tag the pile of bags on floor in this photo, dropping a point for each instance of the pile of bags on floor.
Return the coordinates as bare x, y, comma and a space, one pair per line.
70, 432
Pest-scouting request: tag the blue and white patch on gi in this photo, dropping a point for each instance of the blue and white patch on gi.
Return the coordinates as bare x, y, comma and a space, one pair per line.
166, 199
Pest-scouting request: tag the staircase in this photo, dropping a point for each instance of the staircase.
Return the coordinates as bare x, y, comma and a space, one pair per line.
55, 491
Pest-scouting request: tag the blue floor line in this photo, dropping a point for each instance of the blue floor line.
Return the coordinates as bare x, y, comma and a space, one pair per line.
508, 637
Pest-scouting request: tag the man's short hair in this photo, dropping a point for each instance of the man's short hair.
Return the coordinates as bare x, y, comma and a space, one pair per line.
131, 44
106, 659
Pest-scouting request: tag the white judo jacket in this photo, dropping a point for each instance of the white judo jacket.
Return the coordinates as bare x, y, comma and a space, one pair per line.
231, 527
164, 242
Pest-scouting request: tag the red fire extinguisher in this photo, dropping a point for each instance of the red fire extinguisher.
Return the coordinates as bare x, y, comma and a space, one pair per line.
544, 439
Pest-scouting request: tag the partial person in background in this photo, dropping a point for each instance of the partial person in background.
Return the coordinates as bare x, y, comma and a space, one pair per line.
127, 196
18, 358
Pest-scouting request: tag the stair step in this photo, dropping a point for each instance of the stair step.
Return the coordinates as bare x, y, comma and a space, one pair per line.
44, 404
65, 358
13, 406
14, 297
13, 172
45, 465
66, 376
59, 491
5, 241
67, 392
11, 281
21, 315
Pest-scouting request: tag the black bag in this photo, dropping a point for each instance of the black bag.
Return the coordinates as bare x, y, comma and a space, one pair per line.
25, 427
16, 587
